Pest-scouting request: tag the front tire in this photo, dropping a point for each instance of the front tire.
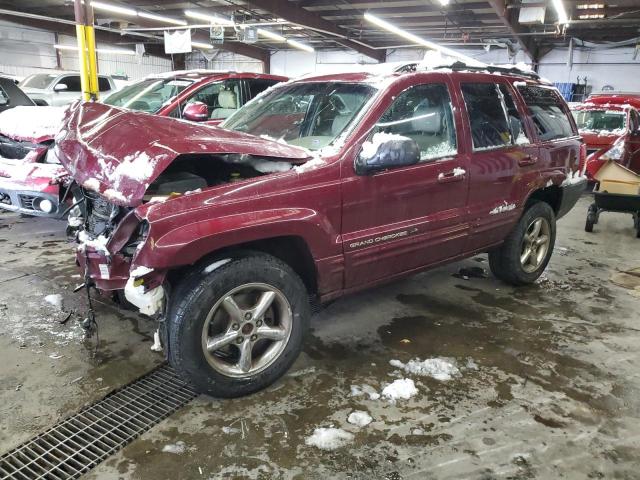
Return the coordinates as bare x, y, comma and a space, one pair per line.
526, 251
237, 327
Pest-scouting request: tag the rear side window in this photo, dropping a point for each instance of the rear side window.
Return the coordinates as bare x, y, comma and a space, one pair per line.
547, 111
518, 133
103, 84
257, 86
4, 97
487, 116
72, 83
423, 113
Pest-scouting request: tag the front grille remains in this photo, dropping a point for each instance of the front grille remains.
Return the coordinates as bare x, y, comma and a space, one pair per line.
79, 443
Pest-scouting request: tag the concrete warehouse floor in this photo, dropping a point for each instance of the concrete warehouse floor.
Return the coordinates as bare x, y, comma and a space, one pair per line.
548, 384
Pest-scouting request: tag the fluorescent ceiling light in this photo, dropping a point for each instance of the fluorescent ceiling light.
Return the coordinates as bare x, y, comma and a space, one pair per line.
114, 8
271, 35
161, 18
206, 46
112, 51
420, 41
444, 3
560, 11
212, 19
301, 46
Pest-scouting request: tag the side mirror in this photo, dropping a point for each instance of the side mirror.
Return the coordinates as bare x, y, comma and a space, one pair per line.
385, 151
196, 112
60, 87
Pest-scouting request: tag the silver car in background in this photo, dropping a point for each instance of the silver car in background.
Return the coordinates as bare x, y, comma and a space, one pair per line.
59, 89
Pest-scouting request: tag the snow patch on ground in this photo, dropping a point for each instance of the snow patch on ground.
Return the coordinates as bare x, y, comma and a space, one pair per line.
27, 123
358, 390
438, 368
329, 438
178, 448
55, 300
401, 389
504, 207
359, 418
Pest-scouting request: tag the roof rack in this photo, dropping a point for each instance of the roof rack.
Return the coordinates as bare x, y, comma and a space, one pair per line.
461, 66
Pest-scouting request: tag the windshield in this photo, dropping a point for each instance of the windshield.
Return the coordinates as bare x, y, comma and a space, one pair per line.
148, 95
310, 115
39, 80
600, 120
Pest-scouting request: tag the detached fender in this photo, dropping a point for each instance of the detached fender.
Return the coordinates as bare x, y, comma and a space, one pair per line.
188, 243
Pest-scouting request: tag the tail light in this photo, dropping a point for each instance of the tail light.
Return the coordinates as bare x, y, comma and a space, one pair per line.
582, 164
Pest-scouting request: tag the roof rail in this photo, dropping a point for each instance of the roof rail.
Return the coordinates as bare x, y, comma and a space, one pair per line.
461, 66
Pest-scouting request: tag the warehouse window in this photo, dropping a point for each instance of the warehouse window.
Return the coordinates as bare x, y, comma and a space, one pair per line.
549, 117
423, 113
487, 116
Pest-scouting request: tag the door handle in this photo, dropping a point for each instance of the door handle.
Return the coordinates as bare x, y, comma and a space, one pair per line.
455, 175
528, 160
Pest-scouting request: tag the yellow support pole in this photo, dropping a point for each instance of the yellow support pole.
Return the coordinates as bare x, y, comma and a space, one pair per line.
93, 64
86, 50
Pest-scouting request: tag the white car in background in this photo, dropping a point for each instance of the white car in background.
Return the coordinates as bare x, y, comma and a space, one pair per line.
58, 89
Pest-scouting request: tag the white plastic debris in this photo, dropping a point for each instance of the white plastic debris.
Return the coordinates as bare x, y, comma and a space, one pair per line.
55, 300
329, 438
359, 418
157, 345
402, 389
438, 368
149, 302
178, 448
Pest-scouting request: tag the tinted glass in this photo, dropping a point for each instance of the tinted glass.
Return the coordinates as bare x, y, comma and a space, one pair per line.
423, 113
487, 116
258, 85
72, 82
103, 84
148, 95
518, 132
4, 97
546, 108
310, 115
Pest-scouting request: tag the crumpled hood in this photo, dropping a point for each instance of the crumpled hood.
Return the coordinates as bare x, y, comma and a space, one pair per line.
31, 124
119, 153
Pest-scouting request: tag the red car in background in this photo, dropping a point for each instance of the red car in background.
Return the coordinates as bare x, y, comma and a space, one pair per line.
610, 127
31, 177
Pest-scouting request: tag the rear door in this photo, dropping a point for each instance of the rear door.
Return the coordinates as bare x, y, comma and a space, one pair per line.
405, 218
501, 153
554, 129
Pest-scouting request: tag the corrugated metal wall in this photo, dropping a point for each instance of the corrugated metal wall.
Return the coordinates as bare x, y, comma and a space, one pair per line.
24, 51
221, 60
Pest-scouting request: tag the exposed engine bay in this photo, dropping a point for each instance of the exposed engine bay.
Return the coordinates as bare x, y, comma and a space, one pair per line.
187, 174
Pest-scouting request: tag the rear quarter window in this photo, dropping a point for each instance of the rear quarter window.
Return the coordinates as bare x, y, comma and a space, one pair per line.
548, 113
103, 84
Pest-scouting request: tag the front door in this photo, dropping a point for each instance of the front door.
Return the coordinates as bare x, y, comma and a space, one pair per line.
402, 219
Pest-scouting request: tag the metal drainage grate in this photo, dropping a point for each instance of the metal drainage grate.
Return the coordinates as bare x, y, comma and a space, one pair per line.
82, 441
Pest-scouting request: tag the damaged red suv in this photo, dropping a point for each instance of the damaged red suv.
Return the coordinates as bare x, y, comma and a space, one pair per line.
317, 188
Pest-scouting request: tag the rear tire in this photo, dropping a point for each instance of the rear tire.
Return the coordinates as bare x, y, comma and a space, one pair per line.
526, 251
588, 226
236, 329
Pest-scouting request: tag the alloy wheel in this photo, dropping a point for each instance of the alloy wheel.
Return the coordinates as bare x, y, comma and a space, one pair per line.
535, 244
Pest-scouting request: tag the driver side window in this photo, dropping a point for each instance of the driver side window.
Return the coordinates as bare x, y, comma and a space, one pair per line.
423, 113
